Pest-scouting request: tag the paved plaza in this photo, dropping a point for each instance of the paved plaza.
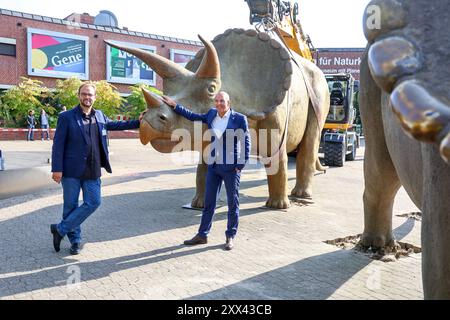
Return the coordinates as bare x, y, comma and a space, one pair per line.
133, 242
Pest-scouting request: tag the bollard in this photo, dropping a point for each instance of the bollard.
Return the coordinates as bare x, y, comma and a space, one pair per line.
2, 162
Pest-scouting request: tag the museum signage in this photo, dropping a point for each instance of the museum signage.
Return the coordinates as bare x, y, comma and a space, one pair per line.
57, 55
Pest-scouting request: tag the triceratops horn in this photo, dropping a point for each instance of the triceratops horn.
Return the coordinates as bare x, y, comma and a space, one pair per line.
210, 67
152, 101
162, 66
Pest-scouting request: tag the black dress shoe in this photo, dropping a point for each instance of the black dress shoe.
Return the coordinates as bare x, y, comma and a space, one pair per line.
196, 240
75, 248
56, 237
229, 245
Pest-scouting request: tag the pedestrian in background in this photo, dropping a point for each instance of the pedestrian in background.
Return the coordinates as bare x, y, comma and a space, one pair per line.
43, 119
31, 124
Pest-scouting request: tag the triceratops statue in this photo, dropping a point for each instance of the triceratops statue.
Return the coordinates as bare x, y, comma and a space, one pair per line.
276, 89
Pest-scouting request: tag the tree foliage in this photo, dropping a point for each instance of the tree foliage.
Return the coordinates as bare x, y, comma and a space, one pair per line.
19, 100
136, 101
32, 95
67, 92
108, 98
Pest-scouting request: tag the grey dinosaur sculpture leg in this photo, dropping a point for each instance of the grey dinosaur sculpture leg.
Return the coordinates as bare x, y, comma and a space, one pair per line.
435, 225
278, 185
199, 199
306, 158
381, 179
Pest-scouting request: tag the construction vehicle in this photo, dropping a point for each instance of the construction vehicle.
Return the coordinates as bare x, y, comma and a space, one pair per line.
282, 17
340, 137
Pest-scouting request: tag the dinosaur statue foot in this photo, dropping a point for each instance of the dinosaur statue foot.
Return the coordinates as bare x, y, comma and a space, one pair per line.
278, 203
302, 193
198, 202
377, 241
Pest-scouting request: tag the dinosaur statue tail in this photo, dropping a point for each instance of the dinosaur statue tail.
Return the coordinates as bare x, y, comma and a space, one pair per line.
319, 166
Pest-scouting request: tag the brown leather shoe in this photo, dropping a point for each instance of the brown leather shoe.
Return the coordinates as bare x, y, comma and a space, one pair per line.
196, 240
229, 244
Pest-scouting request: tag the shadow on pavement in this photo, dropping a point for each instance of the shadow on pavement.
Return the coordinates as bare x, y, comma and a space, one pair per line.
26, 240
316, 277
59, 276
313, 278
106, 181
26, 247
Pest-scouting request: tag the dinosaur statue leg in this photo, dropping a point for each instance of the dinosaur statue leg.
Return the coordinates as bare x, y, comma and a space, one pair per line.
307, 158
381, 179
278, 189
435, 225
276, 161
199, 199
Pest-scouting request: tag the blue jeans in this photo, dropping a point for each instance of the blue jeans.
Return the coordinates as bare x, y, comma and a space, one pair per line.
30, 135
74, 215
214, 177
44, 128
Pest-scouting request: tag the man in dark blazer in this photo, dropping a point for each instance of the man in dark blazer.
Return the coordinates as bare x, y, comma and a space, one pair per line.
230, 148
79, 151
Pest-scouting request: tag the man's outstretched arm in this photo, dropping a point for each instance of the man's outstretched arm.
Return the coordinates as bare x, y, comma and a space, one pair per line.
182, 111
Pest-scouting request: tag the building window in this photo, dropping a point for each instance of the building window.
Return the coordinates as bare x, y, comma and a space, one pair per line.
7, 49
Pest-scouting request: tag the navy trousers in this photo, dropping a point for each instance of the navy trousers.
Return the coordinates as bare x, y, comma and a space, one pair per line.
74, 215
214, 177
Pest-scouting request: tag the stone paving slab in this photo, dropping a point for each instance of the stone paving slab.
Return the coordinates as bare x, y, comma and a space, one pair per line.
133, 242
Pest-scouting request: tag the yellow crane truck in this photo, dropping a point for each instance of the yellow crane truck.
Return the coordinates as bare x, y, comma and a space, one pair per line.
339, 139
282, 16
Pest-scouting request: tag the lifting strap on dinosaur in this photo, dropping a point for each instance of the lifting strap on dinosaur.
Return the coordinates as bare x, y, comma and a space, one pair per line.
266, 161
312, 95
263, 12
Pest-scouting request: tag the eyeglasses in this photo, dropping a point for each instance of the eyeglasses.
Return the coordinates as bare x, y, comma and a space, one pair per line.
87, 94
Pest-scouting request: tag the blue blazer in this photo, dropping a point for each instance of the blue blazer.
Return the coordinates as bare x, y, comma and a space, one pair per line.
69, 151
241, 145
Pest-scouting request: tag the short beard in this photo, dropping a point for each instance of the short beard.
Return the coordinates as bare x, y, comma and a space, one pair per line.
85, 106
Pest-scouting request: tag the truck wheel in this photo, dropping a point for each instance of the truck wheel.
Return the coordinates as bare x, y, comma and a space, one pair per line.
351, 156
334, 154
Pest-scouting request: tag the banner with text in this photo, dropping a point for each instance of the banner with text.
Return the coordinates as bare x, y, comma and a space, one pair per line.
340, 61
123, 67
57, 55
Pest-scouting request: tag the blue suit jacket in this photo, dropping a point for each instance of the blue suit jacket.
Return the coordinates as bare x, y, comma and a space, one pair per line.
240, 151
69, 151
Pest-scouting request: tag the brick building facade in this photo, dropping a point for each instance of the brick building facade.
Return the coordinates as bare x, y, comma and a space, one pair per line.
14, 45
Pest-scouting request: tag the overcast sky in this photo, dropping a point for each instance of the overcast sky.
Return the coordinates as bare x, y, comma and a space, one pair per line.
330, 23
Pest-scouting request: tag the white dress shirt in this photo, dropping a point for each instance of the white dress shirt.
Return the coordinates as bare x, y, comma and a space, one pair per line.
219, 125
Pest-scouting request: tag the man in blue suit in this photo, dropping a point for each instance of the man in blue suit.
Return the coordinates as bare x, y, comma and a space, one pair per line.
230, 148
79, 151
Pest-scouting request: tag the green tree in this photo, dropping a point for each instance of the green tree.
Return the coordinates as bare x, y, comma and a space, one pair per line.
67, 92
5, 116
136, 102
18, 100
108, 98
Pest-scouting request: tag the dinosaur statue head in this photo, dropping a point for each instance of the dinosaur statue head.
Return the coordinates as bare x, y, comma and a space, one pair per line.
193, 89
408, 58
